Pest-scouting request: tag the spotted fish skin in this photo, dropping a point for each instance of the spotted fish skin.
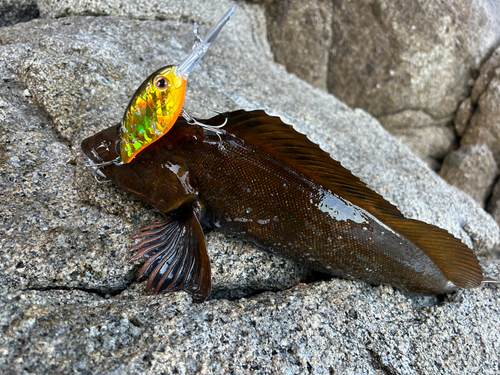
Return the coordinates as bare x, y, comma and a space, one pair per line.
260, 180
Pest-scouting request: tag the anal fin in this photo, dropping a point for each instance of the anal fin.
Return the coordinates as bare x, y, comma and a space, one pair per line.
177, 257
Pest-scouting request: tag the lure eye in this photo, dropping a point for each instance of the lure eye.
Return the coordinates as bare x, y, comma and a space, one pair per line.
161, 83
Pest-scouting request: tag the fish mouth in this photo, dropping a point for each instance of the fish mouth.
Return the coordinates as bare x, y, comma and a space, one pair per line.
101, 150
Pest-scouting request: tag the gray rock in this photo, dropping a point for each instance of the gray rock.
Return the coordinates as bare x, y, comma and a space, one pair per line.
68, 301
494, 203
180, 10
14, 11
334, 327
484, 127
472, 169
300, 36
478, 119
463, 115
393, 59
487, 72
409, 56
414, 126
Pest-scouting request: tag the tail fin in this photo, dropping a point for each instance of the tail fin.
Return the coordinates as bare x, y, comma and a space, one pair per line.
459, 264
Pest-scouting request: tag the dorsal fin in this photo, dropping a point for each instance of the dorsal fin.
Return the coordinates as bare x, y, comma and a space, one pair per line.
280, 140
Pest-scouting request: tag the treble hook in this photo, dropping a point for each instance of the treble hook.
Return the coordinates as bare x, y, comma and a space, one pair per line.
192, 121
96, 168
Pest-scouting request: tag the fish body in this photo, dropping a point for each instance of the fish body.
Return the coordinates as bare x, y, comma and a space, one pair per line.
260, 180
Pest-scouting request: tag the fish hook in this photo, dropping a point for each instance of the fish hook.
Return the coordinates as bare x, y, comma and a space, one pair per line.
192, 121
96, 168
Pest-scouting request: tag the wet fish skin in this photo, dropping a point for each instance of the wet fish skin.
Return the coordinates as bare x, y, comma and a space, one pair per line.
260, 180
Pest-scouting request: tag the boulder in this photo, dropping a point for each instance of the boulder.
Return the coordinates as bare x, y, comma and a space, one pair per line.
478, 121
472, 169
408, 64
68, 298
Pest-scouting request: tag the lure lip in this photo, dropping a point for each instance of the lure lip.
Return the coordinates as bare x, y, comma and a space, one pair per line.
185, 67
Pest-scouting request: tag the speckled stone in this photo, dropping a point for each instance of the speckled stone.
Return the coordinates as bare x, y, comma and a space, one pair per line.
14, 11
397, 60
67, 296
472, 169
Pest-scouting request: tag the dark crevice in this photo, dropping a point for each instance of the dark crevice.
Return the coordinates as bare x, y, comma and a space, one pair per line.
238, 293
489, 202
10, 14
379, 365
103, 293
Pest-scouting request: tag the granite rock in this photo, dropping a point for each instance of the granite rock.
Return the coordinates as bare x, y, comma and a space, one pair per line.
462, 116
397, 60
69, 303
300, 36
472, 169
413, 127
477, 120
484, 126
334, 327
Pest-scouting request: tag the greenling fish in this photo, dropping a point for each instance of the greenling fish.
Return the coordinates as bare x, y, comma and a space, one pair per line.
260, 180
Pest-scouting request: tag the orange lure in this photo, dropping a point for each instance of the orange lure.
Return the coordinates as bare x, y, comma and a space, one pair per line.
157, 103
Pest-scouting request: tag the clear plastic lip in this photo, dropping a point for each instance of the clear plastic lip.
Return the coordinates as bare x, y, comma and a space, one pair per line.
185, 67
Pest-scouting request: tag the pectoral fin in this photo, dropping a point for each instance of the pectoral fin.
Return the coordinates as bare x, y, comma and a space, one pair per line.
176, 256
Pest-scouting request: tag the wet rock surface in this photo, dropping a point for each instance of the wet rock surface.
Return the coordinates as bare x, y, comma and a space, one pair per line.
68, 298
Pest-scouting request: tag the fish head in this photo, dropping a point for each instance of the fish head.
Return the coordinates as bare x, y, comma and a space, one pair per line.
158, 175
102, 149
152, 111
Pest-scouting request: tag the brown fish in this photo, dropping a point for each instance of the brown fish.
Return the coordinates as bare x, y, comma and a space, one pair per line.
260, 180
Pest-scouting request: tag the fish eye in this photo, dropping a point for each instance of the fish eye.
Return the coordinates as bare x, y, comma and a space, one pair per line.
161, 83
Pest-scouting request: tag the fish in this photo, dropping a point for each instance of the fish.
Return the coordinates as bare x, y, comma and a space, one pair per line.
262, 181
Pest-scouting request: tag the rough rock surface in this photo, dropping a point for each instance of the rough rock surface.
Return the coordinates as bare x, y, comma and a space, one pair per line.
68, 301
472, 169
429, 138
408, 64
300, 34
484, 126
13, 11
478, 122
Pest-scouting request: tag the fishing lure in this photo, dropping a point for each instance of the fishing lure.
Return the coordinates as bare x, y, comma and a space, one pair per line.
158, 102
